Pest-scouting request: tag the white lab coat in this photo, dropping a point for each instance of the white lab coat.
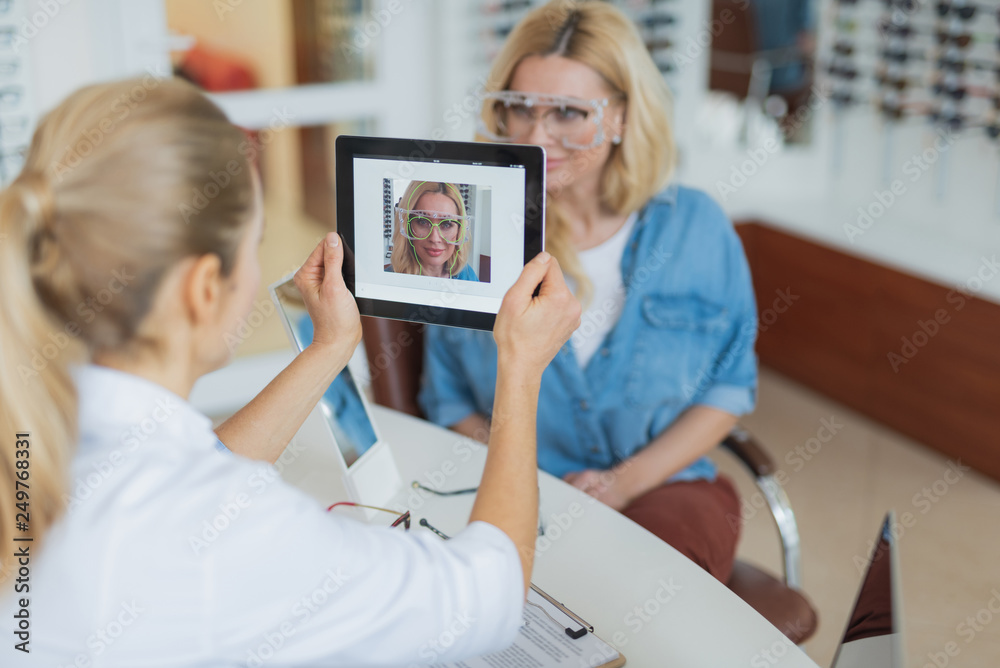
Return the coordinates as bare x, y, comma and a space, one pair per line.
174, 554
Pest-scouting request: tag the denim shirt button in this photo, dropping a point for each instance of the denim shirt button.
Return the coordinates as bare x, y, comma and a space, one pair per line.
584, 405
595, 449
605, 352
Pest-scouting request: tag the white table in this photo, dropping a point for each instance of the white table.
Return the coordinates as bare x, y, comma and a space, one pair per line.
642, 596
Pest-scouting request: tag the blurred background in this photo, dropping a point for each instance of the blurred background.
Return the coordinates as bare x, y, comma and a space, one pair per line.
854, 145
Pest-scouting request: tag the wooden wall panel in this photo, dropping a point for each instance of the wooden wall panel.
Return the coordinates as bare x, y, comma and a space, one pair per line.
852, 314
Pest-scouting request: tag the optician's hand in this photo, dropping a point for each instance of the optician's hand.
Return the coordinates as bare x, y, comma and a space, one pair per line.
608, 487
530, 329
331, 306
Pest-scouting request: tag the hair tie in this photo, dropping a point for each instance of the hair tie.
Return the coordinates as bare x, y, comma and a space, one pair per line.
39, 200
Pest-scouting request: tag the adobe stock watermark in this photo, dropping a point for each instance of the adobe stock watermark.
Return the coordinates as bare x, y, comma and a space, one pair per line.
84, 486
915, 167
741, 173
32, 25
119, 110
922, 502
229, 511
638, 619
58, 341
249, 148
437, 647
106, 636
797, 459
301, 612
783, 301
956, 299
967, 629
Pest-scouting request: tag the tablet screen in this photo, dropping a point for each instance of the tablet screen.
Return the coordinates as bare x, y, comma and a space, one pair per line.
441, 232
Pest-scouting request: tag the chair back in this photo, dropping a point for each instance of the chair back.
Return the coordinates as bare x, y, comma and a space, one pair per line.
395, 351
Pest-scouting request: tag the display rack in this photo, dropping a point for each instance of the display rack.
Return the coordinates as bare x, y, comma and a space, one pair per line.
657, 21
17, 110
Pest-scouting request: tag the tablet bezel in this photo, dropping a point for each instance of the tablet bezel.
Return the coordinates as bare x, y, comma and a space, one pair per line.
531, 158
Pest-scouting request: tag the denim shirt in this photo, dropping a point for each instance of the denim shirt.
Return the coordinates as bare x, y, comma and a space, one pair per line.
685, 337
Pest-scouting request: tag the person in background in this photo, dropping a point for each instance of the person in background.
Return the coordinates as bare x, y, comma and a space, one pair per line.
433, 234
663, 363
137, 520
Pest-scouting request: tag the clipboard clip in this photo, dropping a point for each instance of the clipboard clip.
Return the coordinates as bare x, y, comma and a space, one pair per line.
575, 634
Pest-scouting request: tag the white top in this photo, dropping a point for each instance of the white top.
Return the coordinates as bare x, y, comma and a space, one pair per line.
176, 554
602, 264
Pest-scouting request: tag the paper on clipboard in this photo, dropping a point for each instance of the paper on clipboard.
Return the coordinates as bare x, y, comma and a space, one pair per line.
542, 642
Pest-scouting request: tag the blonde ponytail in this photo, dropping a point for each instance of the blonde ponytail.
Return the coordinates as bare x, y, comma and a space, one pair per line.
122, 181
37, 395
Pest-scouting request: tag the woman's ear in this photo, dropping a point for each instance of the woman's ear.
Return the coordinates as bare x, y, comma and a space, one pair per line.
203, 289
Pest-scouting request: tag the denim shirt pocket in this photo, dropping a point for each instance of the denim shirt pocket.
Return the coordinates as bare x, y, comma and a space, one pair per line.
678, 339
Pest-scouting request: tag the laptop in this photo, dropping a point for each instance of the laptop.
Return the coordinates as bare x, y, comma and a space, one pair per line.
873, 637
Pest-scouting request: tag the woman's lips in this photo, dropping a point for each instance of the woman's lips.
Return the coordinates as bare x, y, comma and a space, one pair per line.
552, 163
434, 252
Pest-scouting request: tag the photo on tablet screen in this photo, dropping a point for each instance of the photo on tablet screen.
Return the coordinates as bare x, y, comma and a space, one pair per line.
436, 229
439, 230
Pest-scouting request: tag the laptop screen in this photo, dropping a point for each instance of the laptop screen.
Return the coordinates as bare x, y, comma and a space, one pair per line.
873, 637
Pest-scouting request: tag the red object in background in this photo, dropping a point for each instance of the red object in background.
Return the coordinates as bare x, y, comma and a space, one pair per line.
216, 71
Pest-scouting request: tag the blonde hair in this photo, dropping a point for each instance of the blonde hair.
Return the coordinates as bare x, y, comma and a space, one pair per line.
404, 255
600, 36
117, 188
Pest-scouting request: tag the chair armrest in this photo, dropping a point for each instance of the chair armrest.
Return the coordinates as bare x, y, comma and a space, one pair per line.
747, 450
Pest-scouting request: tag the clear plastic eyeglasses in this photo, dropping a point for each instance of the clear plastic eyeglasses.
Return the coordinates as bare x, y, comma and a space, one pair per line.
418, 225
574, 123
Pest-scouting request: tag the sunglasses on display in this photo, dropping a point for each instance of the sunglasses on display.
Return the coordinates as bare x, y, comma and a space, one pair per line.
842, 98
895, 29
657, 20
838, 71
894, 56
956, 93
886, 81
418, 225
658, 44
843, 48
955, 121
576, 124
964, 12
891, 111
959, 40
956, 66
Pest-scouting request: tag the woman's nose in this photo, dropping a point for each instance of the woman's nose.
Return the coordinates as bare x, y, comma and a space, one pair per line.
436, 235
537, 135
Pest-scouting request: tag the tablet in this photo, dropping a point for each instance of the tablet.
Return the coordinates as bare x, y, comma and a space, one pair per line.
340, 427
439, 230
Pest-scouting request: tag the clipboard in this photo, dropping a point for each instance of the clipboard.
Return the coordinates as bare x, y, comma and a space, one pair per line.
583, 629
551, 634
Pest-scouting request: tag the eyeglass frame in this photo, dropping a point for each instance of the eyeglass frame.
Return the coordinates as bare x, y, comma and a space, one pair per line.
531, 99
463, 221
403, 518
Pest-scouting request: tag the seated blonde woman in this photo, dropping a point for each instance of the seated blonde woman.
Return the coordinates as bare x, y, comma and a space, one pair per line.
432, 232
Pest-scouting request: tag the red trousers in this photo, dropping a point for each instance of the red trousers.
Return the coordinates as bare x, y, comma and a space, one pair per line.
691, 517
